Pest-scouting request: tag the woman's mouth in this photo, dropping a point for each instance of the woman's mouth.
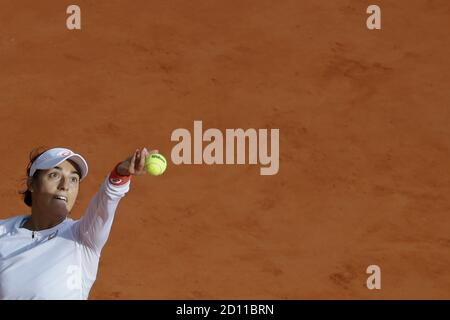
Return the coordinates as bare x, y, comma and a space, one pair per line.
63, 198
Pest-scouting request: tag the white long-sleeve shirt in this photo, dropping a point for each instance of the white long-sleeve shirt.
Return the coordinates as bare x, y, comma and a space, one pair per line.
60, 262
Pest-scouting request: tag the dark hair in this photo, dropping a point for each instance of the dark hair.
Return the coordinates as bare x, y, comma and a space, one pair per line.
26, 193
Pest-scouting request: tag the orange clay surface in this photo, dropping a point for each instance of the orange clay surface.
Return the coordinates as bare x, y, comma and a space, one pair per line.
364, 140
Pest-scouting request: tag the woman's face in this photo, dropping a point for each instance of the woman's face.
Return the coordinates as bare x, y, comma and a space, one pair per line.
57, 188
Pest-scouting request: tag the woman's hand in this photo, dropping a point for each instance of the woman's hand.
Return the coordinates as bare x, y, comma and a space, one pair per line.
135, 164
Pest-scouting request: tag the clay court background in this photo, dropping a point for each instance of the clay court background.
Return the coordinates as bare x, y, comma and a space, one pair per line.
364, 140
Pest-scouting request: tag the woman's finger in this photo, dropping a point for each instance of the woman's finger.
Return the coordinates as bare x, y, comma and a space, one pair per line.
133, 160
146, 153
142, 157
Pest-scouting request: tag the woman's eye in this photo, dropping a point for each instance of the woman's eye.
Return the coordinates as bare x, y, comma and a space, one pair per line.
53, 175
75, 179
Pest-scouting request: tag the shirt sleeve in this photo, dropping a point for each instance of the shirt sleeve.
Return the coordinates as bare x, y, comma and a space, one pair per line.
93, 229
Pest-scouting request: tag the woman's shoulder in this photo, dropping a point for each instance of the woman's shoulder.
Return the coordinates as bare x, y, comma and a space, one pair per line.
12, 219
9, 223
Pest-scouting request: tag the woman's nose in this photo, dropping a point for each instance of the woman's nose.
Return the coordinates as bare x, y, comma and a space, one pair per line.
63, 184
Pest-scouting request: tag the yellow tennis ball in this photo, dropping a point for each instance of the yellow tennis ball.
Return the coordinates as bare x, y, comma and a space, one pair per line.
155, 164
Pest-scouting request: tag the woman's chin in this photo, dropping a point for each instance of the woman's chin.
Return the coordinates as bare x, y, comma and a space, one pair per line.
60, 209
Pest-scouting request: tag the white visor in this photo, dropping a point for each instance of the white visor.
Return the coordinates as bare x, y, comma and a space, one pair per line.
51, 158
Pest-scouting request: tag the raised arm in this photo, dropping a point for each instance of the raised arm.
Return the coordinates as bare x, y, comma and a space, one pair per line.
93, 229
